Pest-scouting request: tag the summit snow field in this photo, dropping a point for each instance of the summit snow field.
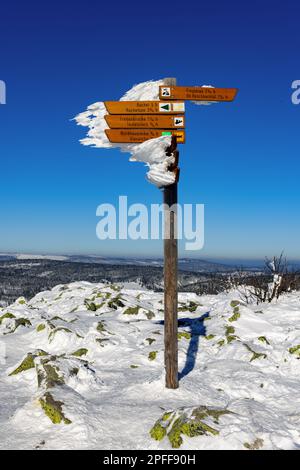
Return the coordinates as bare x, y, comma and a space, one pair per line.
81, 367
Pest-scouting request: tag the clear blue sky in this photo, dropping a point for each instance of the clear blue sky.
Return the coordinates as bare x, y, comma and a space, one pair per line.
241, 159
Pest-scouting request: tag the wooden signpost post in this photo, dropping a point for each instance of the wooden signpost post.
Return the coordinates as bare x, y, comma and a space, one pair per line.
135, 122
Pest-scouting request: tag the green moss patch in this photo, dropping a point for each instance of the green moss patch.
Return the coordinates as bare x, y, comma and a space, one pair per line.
6, 315
229, 333
53, 409
184, 334
190, 307
255, 355
26, 364
40, 327
175, 424
131, 311
209, 337
152, 355
92, 306
295, 350
80, 352
236, 315
263, 339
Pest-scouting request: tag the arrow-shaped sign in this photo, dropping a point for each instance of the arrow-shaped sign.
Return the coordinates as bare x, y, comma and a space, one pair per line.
143, 107
197, 93
136, 136
148, 121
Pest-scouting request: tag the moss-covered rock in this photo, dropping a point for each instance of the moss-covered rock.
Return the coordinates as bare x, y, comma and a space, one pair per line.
150, 340
149, 314
184, 334
131, 311
6, 315
56, 318
21, 322
229, 333
53, 409
209, 337
236, 314
158, 432
234, 303
185, 422
152, 355
295, 350
255, 445
100, 327
115, 303
255, 355
48, 373
263, 339
190, 307
26, 364
174, 434
57, 330
92, 306
40, 327
80, 352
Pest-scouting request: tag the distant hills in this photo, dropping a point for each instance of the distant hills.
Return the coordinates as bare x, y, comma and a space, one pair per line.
185, 264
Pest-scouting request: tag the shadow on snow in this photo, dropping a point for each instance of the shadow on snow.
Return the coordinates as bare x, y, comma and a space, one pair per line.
194, 326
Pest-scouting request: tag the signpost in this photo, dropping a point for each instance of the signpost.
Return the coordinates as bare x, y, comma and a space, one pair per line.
148, 121
135, 122
196, 93
144, 107
135, 136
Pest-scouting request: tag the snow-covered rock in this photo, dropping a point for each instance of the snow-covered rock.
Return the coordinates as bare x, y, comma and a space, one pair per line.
81, 366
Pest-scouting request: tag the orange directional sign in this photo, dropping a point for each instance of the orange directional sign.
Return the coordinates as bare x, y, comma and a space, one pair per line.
143, 107
135, 136
148, 121
196, 93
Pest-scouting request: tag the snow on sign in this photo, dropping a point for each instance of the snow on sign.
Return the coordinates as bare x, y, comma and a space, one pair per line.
197, 93
135, 136
148, 121
143, 107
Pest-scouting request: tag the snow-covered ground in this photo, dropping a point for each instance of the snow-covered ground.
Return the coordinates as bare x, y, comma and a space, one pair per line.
81, 366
